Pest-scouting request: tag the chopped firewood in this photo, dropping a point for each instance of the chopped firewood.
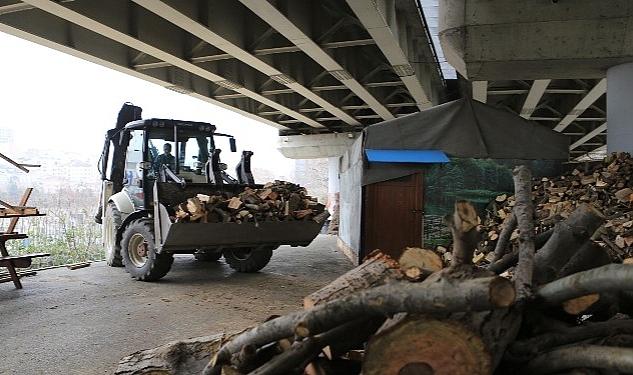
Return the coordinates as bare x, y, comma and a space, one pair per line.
262, 205
204, 198
235, 203
195, 208
624, 195
579, 305
477, 258
302, 213
74, 266
556, 197
265, 194
417, 263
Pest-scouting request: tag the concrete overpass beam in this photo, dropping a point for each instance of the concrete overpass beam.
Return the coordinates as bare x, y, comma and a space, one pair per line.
315, 146
517, 39
385, 23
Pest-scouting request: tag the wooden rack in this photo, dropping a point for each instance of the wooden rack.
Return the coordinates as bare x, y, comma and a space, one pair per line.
11, 262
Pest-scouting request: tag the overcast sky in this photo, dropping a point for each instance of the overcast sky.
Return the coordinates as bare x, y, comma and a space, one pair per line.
54, 100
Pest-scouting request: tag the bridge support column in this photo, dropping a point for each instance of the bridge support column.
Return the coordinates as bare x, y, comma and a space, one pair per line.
619, 108
334, 189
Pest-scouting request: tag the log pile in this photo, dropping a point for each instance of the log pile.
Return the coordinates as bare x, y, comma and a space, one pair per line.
276, 201
555, 302
606, 186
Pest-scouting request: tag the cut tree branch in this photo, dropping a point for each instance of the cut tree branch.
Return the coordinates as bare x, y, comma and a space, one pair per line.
578, 356
536, 344
479, 294
524, 211
463, 225
609, 278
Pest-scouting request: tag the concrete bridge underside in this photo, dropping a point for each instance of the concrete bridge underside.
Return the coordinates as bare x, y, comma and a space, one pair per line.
310, 67
322, 70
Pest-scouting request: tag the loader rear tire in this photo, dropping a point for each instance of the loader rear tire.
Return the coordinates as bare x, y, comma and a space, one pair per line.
111, 224
247, 260
139, 254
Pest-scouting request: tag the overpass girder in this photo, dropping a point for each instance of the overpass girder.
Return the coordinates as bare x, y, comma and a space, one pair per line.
315, 78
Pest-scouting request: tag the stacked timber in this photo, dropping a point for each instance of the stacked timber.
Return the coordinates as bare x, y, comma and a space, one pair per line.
563, 309
607, 186
276, 201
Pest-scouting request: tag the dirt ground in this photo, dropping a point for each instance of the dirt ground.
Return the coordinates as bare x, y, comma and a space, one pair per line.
84, 321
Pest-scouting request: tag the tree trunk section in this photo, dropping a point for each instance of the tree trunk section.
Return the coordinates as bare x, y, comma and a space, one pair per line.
418, 344
374, 271
179, 357
569, 235
463, 225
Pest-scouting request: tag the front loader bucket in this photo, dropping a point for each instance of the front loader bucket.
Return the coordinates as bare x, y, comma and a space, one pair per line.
219, 236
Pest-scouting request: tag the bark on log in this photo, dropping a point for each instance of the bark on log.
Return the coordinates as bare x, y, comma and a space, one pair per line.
569, 235
174, 358
609, 278
524, 212
603, 305
271, 331
503, 241
375, 270
511, 259
463, 225
589, 255
419, 344
305, 351
528, 348
443, 296
578, 356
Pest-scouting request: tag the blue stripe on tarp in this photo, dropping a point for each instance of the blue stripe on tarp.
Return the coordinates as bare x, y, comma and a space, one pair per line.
407, 156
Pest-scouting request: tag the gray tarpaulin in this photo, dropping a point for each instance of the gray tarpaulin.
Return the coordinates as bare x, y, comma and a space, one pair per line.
463, 128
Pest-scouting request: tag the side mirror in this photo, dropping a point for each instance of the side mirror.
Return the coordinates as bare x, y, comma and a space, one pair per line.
233, 144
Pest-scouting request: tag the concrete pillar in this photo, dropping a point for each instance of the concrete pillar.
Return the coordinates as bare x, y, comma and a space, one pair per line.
619, 109
334, 183
334, 190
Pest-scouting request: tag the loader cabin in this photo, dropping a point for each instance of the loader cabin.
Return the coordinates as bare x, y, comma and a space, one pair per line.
193, 145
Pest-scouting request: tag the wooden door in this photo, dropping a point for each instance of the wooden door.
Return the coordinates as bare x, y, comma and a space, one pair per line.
393, 212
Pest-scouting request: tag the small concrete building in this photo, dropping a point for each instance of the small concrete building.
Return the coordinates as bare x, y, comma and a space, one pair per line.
397, 169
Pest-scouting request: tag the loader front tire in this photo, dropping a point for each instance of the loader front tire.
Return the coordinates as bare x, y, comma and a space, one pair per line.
111, 224
247, 260
139, 254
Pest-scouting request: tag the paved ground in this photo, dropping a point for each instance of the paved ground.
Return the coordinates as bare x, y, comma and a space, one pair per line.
83, 321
